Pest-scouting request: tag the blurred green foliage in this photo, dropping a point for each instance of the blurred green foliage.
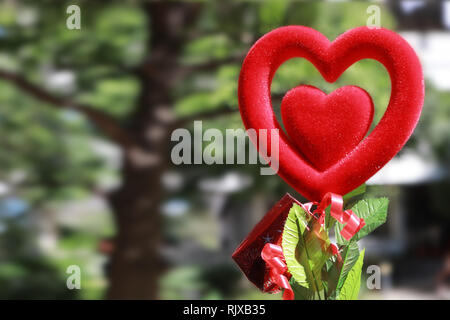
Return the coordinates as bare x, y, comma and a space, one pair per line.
24, 274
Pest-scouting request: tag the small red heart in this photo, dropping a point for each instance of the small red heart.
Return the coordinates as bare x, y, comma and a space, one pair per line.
332, 59
309, 118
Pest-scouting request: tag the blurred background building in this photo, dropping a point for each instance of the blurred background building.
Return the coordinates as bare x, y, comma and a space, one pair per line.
85, 172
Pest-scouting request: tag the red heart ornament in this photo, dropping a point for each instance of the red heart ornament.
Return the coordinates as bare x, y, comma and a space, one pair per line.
309, 118
332, 59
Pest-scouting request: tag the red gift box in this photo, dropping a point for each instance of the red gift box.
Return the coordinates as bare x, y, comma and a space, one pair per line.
268, 230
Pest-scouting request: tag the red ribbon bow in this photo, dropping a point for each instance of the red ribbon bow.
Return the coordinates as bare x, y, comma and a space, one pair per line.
352, 222
272, 254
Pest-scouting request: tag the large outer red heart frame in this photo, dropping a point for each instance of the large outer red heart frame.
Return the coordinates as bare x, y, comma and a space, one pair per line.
332, 59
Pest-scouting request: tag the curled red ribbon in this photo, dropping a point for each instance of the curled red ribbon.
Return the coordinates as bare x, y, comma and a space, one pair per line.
272, 254
352, 222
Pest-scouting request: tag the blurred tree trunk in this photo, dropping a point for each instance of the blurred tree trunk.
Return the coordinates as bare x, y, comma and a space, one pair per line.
136, 264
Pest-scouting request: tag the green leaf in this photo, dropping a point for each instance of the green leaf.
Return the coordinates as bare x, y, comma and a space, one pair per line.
336, 271
349, 255
306, 248
356, 192
316, 251
294, 227
301, 292
330, 276
352, 284
374, 213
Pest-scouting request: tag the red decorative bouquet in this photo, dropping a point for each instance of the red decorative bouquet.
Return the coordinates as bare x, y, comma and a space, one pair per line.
310, 250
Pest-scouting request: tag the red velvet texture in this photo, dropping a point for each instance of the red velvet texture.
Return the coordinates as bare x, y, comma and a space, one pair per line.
350, 159
309, 117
